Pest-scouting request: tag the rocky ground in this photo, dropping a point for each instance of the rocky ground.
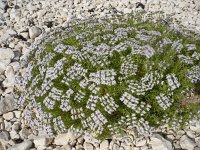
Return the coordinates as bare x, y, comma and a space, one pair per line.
24, 21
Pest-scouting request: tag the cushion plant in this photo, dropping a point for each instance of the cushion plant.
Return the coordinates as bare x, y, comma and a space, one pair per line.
105, 75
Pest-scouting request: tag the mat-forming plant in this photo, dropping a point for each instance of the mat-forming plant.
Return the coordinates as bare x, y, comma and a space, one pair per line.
102, 76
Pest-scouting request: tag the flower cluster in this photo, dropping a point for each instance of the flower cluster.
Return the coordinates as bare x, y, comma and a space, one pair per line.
95, 122
173, 81
129, 100
147, 83
164, 101
108, 103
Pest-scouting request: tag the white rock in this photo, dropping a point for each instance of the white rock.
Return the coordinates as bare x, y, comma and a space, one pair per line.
16, 126
88, 146
26, 145
4, 135
66, 147
3, 4
14, 135
158, 142
115, 147
140, 142
179, 134
104, 145
90, 139
187, 143
11, 32
6, 53
17, 113
25, 132
2, 67
63, 139
42, 141
15, 65
197, 140
25, 35
190, 134
10, 77
34, 32
8, 125
8, 116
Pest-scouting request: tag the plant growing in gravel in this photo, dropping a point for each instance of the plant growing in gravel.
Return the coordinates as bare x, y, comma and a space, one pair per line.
103, 76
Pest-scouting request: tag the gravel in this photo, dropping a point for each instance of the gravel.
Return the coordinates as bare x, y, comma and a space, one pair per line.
23, 22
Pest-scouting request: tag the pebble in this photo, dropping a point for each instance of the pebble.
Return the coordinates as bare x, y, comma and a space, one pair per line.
8, 116
4, 135
6, 54
158, 142
7, 104
104, 145
26, 145
34, 32
187, 143
88, 146
42, 141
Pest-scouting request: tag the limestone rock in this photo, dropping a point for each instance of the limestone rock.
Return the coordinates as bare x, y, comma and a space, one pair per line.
14, 135
5, 135
10, 77
88, 146
34, 32
186, 142
6, 53
26, 145
158, 142
42, 141
8, 116
63, 139
104, 145
2, 67
7, 104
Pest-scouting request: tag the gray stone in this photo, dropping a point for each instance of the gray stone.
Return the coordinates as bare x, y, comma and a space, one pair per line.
14, 135
8, 116
88, 146
2, 67
6, 53
10, 77
187, 143
11, 32
197, 140
3, 4
79, 147
80, 140
197, 148
16, 126
158, 142
64, 139
2, 146
179, 134
26, 145
25, 35
5, 135
115, 147
66, 147
140, 142
17, 113
42, 141
8, 125
34, 32
7, 104
15, 66
25, 132
104, 145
